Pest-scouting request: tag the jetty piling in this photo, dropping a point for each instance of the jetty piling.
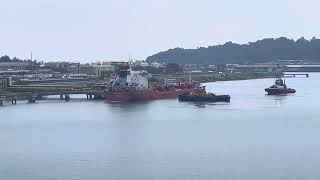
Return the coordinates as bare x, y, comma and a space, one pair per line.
32, 100
14, 101
67, 97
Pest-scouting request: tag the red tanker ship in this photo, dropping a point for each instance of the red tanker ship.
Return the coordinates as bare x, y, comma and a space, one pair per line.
130, 85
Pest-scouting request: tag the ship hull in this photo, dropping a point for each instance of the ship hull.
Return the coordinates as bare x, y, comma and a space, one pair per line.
276, 91
205, 98
143, 95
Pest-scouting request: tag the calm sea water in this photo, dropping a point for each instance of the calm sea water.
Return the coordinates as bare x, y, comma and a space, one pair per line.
253, 137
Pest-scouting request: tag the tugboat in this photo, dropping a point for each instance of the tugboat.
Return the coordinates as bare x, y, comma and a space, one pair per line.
279, 88
200, 95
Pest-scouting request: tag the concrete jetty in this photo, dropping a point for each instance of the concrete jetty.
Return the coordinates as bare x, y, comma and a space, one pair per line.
32, 93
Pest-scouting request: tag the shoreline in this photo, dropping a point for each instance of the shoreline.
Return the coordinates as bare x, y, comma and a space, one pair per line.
160, 79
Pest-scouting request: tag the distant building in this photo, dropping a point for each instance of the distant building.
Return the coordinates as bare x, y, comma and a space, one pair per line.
97, 70
70, 67
190, 67
14, 66
73, 68
87, 69
264, 68
142, 63
156, 65
221, 68
57, 64
104, 69
5, 82
231, 67
212, 66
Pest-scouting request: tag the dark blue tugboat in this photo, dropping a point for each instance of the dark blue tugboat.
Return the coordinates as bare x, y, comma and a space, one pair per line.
200, 95
279, 88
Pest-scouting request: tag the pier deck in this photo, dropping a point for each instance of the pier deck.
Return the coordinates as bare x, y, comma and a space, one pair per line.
36, 92
296, 74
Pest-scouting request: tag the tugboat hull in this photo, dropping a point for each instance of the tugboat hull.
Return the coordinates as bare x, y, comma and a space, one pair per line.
275, 91
212, 98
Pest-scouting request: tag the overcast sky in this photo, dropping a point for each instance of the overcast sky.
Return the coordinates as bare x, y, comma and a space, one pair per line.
91, 30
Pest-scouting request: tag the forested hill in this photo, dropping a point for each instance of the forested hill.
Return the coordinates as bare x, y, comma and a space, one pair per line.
254, 52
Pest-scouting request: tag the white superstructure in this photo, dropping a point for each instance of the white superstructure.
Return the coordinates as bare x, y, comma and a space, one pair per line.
138, 79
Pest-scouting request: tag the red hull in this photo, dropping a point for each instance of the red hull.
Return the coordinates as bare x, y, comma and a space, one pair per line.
142, 95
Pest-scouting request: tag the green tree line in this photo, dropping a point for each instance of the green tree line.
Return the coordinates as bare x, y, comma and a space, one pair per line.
264, 50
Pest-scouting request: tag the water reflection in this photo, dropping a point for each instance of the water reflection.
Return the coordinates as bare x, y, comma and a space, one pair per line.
205, 104
199, 104
278, 99
129, 106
